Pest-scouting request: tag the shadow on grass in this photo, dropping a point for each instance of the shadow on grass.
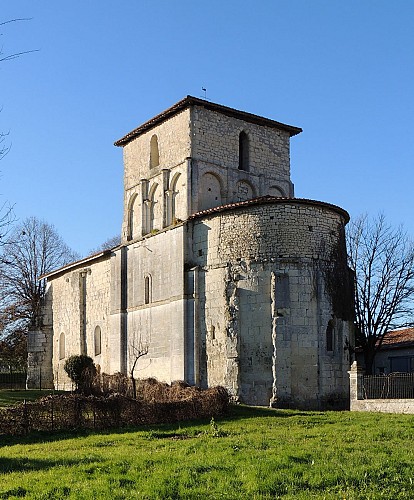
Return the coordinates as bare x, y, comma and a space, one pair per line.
16, 396
242, 411
26, 464
236, 412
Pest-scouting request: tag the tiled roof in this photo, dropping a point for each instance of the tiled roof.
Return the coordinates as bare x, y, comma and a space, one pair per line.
270, 200
195, 101
77, 263
398, 338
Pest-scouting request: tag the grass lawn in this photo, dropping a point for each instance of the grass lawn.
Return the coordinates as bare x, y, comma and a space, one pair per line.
253, 453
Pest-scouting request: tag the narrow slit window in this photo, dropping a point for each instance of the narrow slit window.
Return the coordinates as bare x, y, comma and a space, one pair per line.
154, 152
329, 336
98, 340
243, 152
62, 346
147, 289
213, 332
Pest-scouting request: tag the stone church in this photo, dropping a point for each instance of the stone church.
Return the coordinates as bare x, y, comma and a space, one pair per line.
222, 275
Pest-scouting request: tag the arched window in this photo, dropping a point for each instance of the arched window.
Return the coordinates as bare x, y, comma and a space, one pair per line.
154, 152
98, 340
62, 353
147, 289
243, 152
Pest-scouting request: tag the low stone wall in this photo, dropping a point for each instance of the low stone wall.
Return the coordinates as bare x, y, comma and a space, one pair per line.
383, 405
358, 403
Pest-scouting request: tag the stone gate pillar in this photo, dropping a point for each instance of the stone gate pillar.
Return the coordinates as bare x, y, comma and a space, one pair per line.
356, 374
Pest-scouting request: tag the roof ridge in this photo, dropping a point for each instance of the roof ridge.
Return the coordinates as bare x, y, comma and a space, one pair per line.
268, 199
191, 101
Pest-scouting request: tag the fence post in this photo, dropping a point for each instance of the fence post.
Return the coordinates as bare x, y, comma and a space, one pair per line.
356, 374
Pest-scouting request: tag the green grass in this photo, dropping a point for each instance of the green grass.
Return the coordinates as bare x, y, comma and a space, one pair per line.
253, 453
12, 397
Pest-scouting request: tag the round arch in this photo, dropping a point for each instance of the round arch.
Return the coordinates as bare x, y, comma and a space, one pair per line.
210, 190
152, 191
245, 191
132, 216
171, 201
174, 181
276, 191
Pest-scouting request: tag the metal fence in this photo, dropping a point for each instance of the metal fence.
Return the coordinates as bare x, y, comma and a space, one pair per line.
392, 386
12, 380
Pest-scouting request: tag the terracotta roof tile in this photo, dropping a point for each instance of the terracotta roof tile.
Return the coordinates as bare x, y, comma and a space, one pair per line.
262, 200
77, 263
195, 101
398, 338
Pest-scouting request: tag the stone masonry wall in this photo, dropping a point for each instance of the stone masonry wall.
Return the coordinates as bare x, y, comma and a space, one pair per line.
146, 183
77, 320
40, 349
174, 147
39, 359
157, 320
215, 150
238, 297
199, 151
262, 272
216, 141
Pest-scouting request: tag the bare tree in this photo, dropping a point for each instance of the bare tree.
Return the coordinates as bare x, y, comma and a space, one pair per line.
32, 249
6, 210
9, 57
13, 350
137, 349
4, 149
14, 55
110, 243
382, 258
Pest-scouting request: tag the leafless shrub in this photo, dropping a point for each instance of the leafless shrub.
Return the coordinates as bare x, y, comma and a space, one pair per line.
75, 411
149, 389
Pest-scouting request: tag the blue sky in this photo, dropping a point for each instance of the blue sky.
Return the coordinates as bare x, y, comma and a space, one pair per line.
341, 70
